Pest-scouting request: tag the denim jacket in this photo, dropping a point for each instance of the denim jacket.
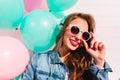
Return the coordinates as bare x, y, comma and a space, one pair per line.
48, 66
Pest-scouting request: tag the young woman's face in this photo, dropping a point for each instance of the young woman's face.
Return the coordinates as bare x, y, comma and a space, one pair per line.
72, 41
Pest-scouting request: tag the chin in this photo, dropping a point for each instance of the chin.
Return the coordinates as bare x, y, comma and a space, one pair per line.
73, 48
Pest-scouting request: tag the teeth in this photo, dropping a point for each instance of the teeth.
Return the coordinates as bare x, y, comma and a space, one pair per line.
74, 42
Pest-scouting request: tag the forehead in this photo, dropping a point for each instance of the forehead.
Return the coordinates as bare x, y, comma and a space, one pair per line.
80, 23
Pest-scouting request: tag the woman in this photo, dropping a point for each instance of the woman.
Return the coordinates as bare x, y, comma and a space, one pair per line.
77, 55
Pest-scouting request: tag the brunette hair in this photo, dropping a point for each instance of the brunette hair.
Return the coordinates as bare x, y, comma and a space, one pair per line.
79, 60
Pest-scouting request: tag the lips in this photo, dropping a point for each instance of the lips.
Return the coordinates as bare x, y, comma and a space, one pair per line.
74, 43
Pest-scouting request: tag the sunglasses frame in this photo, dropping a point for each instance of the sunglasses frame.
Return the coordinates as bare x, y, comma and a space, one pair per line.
80, 31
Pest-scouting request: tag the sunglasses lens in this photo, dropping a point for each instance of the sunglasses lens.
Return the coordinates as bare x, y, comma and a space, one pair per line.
86, 36
74, 30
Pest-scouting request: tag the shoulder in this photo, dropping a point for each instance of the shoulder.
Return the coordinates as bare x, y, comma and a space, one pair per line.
43, 57
42, 61
43, 54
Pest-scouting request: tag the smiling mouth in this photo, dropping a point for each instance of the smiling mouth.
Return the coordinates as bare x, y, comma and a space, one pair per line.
74, 43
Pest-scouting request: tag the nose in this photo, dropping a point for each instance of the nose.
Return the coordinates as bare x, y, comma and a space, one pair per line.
78, 37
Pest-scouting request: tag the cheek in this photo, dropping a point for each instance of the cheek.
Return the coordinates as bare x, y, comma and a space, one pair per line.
66, 37
67, 34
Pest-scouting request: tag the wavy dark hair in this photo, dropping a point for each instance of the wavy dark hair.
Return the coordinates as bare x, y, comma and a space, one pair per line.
79, 60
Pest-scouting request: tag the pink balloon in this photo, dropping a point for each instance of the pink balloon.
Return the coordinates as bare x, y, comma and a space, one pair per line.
32, 4
17, 33
44, 5
8, 33
25, 12
14, 57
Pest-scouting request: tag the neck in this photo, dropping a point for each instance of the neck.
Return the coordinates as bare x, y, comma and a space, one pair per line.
63, 52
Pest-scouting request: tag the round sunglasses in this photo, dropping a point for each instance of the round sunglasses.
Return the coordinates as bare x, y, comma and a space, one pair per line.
77, 31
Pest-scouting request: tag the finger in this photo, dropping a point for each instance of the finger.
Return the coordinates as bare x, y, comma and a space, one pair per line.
96, 45
90, 51
101, 46
92, 40
84, 44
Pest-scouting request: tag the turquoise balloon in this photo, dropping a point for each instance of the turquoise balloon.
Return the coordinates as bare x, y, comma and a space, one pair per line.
58, 14
17, 78
11, 13
60, 5
39, 30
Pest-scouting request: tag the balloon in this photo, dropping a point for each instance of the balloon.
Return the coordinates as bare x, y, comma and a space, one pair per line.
17, 78
32, 4
11, 33
25, 12
44, 5
58, 14
38, 30
60, 5
11, 13
14, 57
17, 31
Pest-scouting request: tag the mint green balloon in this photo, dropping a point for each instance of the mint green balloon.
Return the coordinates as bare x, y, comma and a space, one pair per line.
39, 30
60, 5
17, 78
58, 14
11, 13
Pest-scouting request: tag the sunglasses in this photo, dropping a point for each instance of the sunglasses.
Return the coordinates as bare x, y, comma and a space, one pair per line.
77, 31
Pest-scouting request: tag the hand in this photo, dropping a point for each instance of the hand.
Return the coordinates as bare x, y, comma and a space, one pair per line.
96, 50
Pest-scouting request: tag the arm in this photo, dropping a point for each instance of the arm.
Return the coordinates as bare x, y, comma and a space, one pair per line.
100, 74
97, 50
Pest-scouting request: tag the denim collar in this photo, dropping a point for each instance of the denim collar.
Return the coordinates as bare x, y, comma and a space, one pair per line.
55, 57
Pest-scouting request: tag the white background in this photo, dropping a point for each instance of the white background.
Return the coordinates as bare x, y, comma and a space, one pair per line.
107, 16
